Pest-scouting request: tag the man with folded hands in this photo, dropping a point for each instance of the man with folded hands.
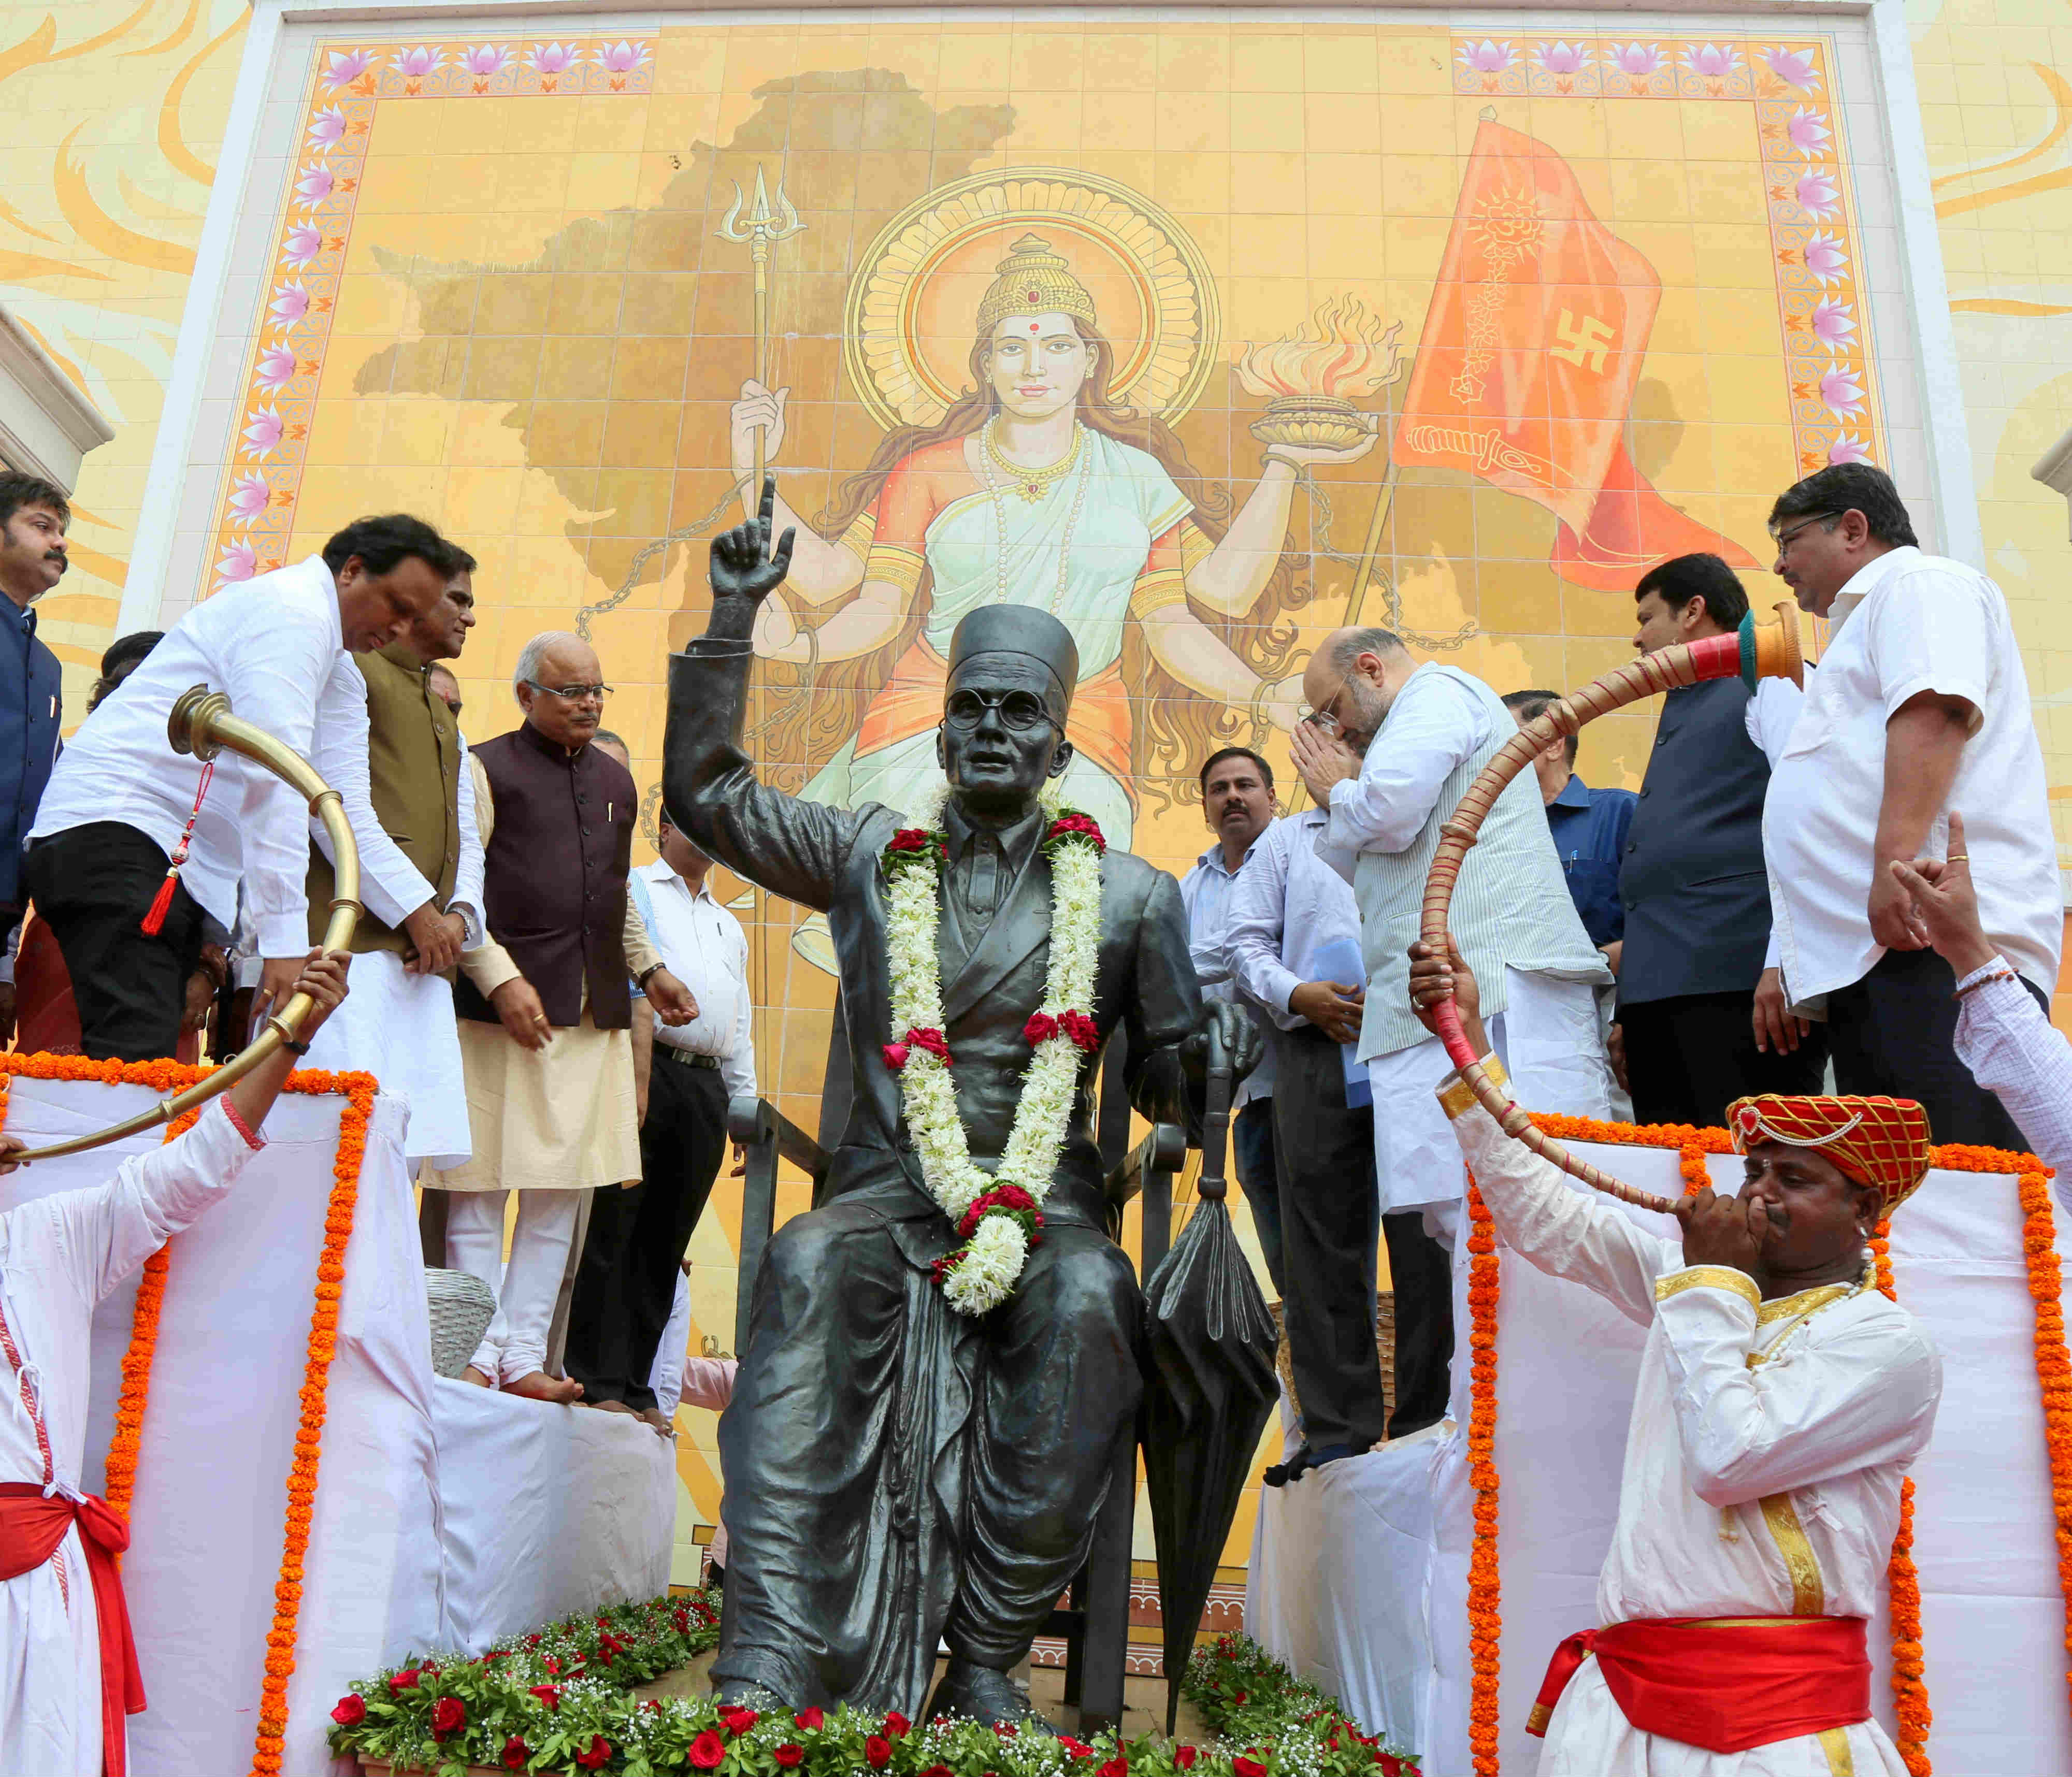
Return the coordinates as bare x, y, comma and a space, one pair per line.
1782, 1399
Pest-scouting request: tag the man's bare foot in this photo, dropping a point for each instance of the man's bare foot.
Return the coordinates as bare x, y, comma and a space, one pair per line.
476, 1377
609, 1406
665, 1426
537, 1385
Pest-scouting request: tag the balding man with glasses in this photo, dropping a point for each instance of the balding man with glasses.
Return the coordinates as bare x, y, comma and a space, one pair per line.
545, 1008
1920, 706
1389, 747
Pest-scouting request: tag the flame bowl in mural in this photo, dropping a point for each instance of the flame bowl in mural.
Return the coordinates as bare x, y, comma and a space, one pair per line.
1326, 420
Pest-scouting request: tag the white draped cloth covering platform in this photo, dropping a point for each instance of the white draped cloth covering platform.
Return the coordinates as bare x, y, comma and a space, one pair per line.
1359, 1571
445, 1516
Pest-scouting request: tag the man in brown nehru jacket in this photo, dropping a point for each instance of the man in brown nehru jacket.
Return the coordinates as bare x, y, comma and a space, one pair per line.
545, 1009
400, 1027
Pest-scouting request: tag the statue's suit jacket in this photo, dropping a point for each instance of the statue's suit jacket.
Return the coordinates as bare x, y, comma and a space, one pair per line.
829, 858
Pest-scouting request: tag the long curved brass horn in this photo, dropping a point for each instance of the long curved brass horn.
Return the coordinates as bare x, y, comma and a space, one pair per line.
201, 723
1765, 651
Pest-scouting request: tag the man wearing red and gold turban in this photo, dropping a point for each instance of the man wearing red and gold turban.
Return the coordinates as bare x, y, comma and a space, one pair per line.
1782, 1399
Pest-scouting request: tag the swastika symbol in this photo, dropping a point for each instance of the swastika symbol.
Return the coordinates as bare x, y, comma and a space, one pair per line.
1584, 343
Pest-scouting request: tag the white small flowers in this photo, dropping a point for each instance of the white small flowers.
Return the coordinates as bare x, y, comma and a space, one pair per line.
982, 1273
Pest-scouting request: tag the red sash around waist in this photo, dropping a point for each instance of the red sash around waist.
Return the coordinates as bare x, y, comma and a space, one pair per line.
31, 1527
1725, 1683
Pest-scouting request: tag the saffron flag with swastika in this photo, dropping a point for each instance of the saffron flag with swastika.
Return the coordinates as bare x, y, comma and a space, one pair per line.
1533, 344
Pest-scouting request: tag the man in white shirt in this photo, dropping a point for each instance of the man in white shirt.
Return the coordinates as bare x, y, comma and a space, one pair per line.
133, 842
1782, 1399
1238, 803
1292, 945
68, 1672
1390, 747
625, 1286
1920, 705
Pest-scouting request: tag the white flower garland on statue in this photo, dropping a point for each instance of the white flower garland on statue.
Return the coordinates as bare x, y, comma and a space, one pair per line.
999, 1216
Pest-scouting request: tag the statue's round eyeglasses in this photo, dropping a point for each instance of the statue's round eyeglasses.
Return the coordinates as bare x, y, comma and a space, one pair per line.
1019, 710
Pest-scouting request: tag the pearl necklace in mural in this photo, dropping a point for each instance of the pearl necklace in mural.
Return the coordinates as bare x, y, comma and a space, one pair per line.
993, 490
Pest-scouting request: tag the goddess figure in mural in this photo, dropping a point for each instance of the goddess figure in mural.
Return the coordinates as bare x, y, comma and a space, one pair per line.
1040, 486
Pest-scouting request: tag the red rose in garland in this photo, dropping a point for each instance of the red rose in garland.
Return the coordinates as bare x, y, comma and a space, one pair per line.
549, 1694
877, 1752
1248, 1768
449, 1716
707, 1752
400, 1682
788, 1756
350, 1711
738, 1722
1184, 1757
810, 1718
600, 1750
516, 1754
1077, 825
896, 1725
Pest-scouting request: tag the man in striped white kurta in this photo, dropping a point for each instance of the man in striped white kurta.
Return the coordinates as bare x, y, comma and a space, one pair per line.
1390, 747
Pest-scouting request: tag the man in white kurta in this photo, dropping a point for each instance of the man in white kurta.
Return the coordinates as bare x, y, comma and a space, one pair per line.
1771, 1429
58, 1256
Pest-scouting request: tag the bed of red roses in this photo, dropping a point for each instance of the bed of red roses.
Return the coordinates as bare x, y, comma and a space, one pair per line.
559, 1701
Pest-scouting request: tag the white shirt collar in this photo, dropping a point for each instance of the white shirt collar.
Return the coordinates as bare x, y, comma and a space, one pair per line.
659, 873
1865, 581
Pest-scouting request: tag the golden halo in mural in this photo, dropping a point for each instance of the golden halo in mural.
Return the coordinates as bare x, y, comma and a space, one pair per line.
912, 314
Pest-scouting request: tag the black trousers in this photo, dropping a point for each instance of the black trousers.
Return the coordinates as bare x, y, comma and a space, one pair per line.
1894, 1032
626, 1283
1421, 1273
1330, 1229
93, 885
1689, 1056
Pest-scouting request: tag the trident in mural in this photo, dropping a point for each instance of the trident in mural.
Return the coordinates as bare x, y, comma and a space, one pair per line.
762, 230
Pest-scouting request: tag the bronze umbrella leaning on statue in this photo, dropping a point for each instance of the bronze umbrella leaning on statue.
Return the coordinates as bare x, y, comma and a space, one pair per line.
903, 1466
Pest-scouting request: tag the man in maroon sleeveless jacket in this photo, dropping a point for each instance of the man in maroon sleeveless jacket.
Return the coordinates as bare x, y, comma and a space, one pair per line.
545, 1010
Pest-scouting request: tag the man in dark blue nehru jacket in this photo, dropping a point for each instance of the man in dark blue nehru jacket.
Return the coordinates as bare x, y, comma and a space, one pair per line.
33, 518
1700, 1002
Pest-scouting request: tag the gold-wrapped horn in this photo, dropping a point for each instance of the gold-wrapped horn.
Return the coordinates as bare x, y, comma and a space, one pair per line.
201, 723
1755, 651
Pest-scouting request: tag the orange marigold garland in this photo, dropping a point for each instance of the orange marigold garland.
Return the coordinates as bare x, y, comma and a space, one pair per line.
1485, 1579
2054, 1365
359, 1088
120, 1483
1909, 1686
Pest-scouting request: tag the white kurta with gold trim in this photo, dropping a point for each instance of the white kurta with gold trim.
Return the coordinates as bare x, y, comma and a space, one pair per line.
1763, 1460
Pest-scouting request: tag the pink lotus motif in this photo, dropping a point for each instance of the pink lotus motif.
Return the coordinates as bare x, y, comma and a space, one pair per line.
623, 57
1848, 449
1486, 57
551, 59
1819, 195
1558, 58
1714, 61
1843, 394
249, 496
301, 244
1794, 67
419, 62
275, 370
1809, 133
240, 561
314, 186
291, 303
326, 128
346, 66
1825, 259
485, 60
1637, 60
1833, 323
263, 428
